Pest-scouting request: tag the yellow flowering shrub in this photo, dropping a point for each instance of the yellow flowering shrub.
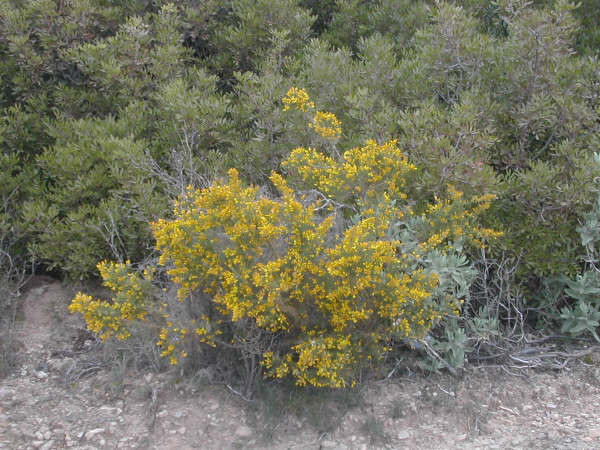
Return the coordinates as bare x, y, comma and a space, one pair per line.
278, 263
312, 283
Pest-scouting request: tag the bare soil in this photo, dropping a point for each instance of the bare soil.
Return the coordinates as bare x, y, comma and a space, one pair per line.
63, 396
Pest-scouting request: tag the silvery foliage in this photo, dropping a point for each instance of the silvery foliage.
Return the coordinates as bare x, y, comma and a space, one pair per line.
584, 316
455, 272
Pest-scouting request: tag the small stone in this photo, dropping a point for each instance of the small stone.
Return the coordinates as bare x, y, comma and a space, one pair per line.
328, 444
39, 435
181, 430
47, 435
403, 435
91, 433
162, 413
108, 409
102, 442
41, 375
37, 444
243, 431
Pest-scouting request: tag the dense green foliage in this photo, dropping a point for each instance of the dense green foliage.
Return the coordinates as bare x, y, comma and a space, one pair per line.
109, 109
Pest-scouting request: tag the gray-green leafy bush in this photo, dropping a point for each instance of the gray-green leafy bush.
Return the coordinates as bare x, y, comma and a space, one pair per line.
584, 289
583, 317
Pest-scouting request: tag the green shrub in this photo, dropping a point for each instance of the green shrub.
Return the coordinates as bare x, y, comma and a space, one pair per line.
252, 28
94, 205
355, 20
584, 291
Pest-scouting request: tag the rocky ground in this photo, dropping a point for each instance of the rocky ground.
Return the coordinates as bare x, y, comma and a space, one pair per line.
63, 396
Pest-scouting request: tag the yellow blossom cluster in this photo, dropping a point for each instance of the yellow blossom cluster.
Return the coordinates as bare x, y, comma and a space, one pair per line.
108, 318
321, 361
364, 174
224, 241
168, 340
297, 98
325, 124
454, 218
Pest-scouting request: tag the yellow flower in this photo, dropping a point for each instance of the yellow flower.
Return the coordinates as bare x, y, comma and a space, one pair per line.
327, 125
297, 98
